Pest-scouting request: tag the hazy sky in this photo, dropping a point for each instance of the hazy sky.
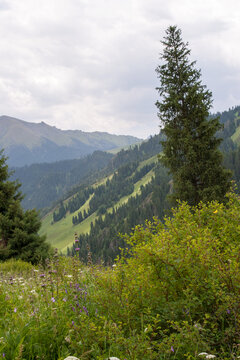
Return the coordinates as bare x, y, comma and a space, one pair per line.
90, 64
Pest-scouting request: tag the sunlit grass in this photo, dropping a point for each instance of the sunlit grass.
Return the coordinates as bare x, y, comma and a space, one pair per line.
61, 233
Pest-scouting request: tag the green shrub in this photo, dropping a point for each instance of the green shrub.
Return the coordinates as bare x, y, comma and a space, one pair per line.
172, 295
181, 282
15, 266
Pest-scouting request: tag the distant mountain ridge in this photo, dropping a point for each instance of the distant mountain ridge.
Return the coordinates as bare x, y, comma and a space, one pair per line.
26, 143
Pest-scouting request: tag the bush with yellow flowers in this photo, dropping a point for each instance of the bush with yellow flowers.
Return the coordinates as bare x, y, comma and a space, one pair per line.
178, 285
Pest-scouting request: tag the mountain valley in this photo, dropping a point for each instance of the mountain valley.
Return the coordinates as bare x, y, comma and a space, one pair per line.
104, 194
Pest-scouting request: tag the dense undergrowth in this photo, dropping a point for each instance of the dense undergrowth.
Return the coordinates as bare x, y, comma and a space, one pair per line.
176, 296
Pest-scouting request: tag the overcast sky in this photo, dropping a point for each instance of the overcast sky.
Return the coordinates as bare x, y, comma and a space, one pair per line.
90, 64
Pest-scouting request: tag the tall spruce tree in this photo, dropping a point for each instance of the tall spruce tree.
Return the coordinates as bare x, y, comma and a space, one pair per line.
18, 229
190, 149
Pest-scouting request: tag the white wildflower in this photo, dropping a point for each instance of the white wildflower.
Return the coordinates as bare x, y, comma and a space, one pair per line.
67, 339
33, 292
71, 358
203, 354
210, 356
69, 276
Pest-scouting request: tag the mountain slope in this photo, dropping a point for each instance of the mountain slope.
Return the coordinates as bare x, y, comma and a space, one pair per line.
107, 208
117, 202
26, 143
46, 183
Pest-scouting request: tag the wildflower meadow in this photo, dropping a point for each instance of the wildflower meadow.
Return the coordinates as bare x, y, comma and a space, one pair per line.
173, 294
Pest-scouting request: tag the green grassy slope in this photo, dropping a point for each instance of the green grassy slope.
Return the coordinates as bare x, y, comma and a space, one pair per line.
61, 234
236, 136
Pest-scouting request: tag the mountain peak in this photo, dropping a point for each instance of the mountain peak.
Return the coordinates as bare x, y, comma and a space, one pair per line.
27, 142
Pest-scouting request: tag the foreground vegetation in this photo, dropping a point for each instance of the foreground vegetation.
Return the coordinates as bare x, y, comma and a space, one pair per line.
172, 295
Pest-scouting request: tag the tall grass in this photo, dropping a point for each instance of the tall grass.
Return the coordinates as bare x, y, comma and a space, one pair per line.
174, 295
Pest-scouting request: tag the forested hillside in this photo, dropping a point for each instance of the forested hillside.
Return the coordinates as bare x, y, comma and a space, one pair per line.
231, 129
123, 197
133, 189
43, 184
231, 141
115, 219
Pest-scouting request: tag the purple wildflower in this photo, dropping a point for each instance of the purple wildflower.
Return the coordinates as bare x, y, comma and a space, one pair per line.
53, 300
228, 311
85, 309
77, 249
172, 349
15, 310
42, 275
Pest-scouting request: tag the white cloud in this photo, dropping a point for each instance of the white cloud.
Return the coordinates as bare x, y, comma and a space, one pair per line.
89, 64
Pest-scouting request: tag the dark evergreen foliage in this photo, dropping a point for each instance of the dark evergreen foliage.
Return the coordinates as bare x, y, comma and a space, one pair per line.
44, 184
232, 161
190, 150
18, 229
73, 204
104, 239
60, 213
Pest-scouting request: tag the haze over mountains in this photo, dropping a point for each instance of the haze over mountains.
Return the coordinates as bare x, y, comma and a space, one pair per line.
26, 143
102, 194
